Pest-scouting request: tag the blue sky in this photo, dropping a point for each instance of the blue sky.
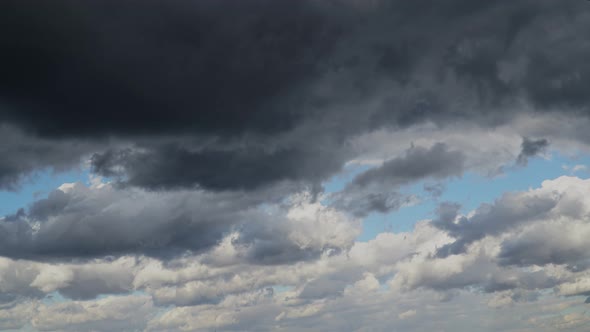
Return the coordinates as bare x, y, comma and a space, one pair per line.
38, 185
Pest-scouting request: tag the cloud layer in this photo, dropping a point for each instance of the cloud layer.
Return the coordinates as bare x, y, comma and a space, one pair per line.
237, 151
514, 264
177, 88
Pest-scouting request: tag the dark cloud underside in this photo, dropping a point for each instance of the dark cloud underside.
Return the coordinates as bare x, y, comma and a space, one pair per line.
127, 67
278, 73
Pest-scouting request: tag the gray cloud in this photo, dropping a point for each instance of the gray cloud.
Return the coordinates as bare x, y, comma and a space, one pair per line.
90, 222
378, 189
436, 162
531, 148
86, 227
86, 222
553, 243
82, 281
508, 212
533, 219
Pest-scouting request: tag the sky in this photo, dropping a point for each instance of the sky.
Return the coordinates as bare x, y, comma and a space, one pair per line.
312, 165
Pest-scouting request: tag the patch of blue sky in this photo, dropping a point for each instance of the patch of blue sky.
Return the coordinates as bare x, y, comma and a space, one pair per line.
473, 189
37, 186
402, 220
279, 289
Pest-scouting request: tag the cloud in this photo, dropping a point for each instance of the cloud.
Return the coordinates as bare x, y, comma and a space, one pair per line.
23, 154
172, 167
211, 97
92, 222
227, 287
559, 198
418, 163
541, 246
199, 66
378, 189
107, 314
15, 317
531, 148
26, 279
407, 314
77, 221
218, 123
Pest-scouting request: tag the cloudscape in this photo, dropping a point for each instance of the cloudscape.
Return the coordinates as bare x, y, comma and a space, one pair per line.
283, 165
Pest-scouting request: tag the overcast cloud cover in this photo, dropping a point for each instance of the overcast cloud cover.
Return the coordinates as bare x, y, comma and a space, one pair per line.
234, 152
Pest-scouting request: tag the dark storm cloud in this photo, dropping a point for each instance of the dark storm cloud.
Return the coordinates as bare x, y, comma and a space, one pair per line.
531, 148
378, 188
174, 166
21, 154
198, 69
75, 68
294, 72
